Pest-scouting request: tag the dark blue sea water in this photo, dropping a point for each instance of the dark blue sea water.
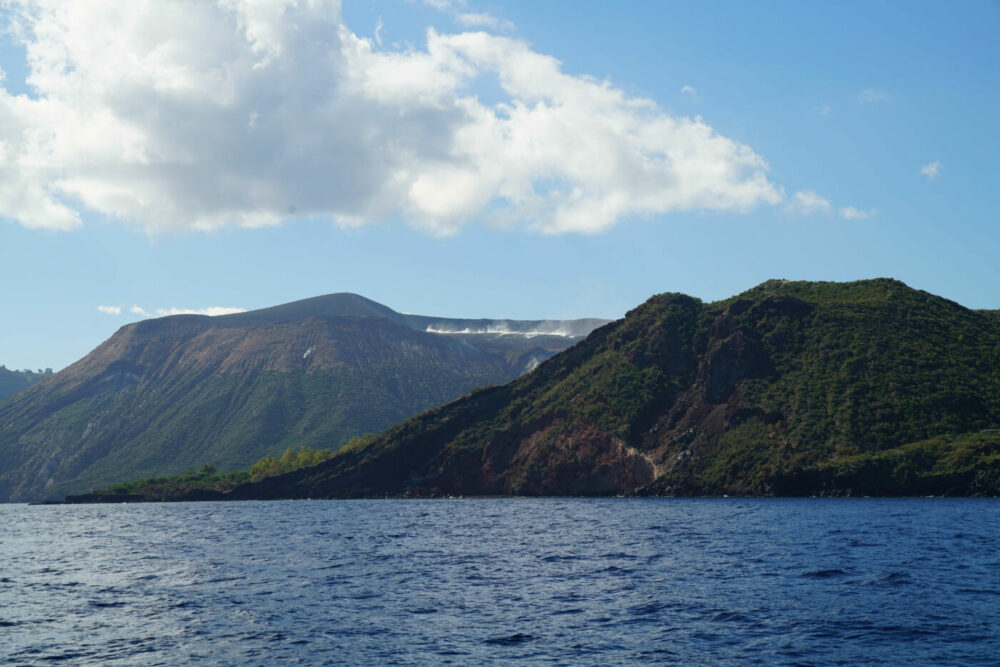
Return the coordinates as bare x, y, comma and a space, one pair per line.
472, 581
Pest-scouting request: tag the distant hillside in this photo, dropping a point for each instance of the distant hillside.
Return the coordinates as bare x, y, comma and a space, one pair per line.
165, 395
12, 382
790, 388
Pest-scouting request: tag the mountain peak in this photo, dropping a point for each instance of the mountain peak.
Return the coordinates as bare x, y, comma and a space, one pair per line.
339, 304
185, 390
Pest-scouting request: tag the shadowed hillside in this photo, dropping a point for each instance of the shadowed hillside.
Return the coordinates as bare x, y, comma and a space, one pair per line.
12, 382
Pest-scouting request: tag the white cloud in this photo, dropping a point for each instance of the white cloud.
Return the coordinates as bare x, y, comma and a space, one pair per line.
110, 310
689, 90
197, 115
444, 4
873, 96
851, 213
931, 170
486, 21
211, 311
808, 201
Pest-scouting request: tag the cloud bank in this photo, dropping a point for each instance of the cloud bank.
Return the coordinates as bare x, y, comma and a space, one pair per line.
189, 114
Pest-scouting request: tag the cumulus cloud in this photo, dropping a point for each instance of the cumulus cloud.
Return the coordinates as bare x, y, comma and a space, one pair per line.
177, 115
486, 21
689, 90
808, 201
444, 4
110, 310
931, 170
851, 213
873, 96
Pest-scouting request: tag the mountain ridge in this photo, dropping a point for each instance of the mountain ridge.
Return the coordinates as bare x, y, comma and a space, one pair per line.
165, 394
13, 381
857, 386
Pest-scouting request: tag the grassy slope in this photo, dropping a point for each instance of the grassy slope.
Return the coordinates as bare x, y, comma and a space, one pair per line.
224, 398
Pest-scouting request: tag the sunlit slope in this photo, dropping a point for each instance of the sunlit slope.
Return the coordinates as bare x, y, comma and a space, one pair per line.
165, 395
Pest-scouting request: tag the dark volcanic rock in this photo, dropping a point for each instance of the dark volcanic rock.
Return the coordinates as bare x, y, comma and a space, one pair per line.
93, 498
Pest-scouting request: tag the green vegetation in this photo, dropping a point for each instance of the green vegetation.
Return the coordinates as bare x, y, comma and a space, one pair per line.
270, 466
208, 479
179, 486
12, 381
163, 395
967, 464
946, 455
791, 387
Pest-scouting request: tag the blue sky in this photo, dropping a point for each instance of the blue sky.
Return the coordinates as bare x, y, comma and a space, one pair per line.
691, 147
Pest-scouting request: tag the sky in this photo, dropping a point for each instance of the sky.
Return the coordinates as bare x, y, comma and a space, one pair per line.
493, 159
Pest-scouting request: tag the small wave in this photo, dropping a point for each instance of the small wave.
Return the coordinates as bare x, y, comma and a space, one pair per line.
979, 591
647, 609
565, 612
422, 611
732, 616
69, 655
862, 543
331, 566
184, 603
825, 574
895, 578
901, 632
516, 638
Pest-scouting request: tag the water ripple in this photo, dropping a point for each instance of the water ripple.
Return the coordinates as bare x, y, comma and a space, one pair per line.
474, 581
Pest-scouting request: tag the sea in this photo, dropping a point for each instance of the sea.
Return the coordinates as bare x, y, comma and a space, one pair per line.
558, 581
